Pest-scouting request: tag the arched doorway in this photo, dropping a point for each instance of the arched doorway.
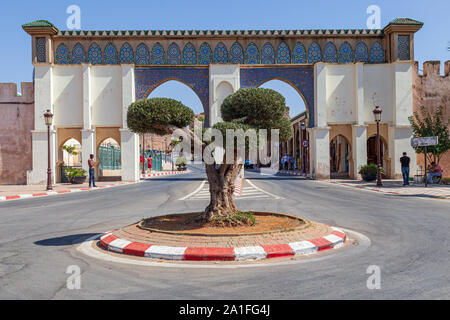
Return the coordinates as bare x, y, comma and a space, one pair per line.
154, 145
70, 154
340, 153
109, 157
372, 152
296, 148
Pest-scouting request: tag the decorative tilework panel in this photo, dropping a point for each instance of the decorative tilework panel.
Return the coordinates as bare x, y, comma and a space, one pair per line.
148, 79
301, 78
78, 54
283, 54
376, 53
236, 53
252, 54
403, 48
62, 54
158, 54
346, 53
110, 56
330, 53
314, 53
361, 53
205, 54
299, 53
220, 53
95, 54
142, 55
268, 54
126, 53
173, 54
189, 54
41, 50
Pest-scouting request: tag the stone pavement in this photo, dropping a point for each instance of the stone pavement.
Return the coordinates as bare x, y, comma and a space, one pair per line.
395, 187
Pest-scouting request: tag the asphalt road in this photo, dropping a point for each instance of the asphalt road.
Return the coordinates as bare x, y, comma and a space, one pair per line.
409, 242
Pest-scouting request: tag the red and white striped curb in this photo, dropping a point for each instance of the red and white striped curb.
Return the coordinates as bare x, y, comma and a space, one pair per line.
293, 173
114, 244
237, 187
53, 193
160, 174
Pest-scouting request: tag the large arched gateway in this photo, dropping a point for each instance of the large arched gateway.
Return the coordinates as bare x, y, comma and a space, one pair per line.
89, 78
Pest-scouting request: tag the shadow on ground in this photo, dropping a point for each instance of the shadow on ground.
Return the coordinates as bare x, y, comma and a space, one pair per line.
66, 240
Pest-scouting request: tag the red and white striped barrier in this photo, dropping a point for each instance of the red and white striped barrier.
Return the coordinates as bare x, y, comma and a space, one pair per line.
238, 187
293, 173
161, 174
114, 244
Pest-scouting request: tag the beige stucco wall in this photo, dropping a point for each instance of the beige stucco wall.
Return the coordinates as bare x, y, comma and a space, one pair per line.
16, 123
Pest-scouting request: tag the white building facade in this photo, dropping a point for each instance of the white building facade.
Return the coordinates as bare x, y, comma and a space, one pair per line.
87, 79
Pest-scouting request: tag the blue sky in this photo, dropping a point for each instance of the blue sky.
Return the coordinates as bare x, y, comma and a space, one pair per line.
15, 57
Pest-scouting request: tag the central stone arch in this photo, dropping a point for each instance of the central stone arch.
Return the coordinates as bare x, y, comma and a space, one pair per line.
148, 79
301, 78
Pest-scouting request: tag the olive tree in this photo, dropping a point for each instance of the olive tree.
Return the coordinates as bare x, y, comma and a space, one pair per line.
250, 108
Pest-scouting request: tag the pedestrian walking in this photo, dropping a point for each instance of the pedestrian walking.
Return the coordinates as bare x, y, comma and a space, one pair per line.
91, 164
405, 160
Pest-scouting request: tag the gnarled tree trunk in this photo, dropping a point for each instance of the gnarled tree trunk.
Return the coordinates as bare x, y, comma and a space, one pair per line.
221, 185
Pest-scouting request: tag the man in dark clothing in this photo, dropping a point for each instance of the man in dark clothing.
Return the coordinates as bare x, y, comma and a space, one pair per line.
91, 164
405, 160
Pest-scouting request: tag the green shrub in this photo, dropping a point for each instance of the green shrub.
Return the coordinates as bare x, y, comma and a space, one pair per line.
368, 169
74, 172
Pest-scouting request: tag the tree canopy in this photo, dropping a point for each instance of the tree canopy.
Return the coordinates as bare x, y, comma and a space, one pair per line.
156, 115
257, 108
428, 124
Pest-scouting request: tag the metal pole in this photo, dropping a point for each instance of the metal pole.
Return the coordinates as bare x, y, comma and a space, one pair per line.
379, 183
143, 153
426, 174
49, 170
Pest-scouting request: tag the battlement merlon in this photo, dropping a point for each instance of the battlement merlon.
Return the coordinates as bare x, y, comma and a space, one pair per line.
432, 69
9, 94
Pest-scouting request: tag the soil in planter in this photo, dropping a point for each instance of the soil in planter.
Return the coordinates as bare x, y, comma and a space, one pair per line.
183, 223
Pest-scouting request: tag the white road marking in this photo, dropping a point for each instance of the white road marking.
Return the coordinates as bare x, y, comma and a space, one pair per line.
197, 190
268, 193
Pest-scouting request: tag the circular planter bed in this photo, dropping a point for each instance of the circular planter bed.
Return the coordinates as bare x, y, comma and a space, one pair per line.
184, 224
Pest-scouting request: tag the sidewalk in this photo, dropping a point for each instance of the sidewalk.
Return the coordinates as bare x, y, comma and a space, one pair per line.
15, 192
396, 187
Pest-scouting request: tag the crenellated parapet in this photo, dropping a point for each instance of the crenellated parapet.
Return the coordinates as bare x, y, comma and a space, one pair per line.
9, 93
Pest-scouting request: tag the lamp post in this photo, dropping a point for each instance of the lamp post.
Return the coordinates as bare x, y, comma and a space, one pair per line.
377, 113
143, 153
48, 116
303, 127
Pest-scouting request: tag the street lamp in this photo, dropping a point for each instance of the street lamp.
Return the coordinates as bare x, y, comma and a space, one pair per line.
303, 127
48, 116
377, 113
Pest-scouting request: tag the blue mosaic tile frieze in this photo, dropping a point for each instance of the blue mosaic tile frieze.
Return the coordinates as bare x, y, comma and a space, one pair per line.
126, 53
110, 56
148, 79
361, 53
346, 53
95, 54
330, 53
41, 50
403, 48
62, 54
252, 54
189, 54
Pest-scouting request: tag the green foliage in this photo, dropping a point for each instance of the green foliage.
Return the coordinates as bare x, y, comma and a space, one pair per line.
239, 218
70, 150
429, 125
74, 172
258, 108
156, 114
181, 161
368, 169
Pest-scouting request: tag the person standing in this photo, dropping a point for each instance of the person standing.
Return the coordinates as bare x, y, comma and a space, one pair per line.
91, 164
405, 160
